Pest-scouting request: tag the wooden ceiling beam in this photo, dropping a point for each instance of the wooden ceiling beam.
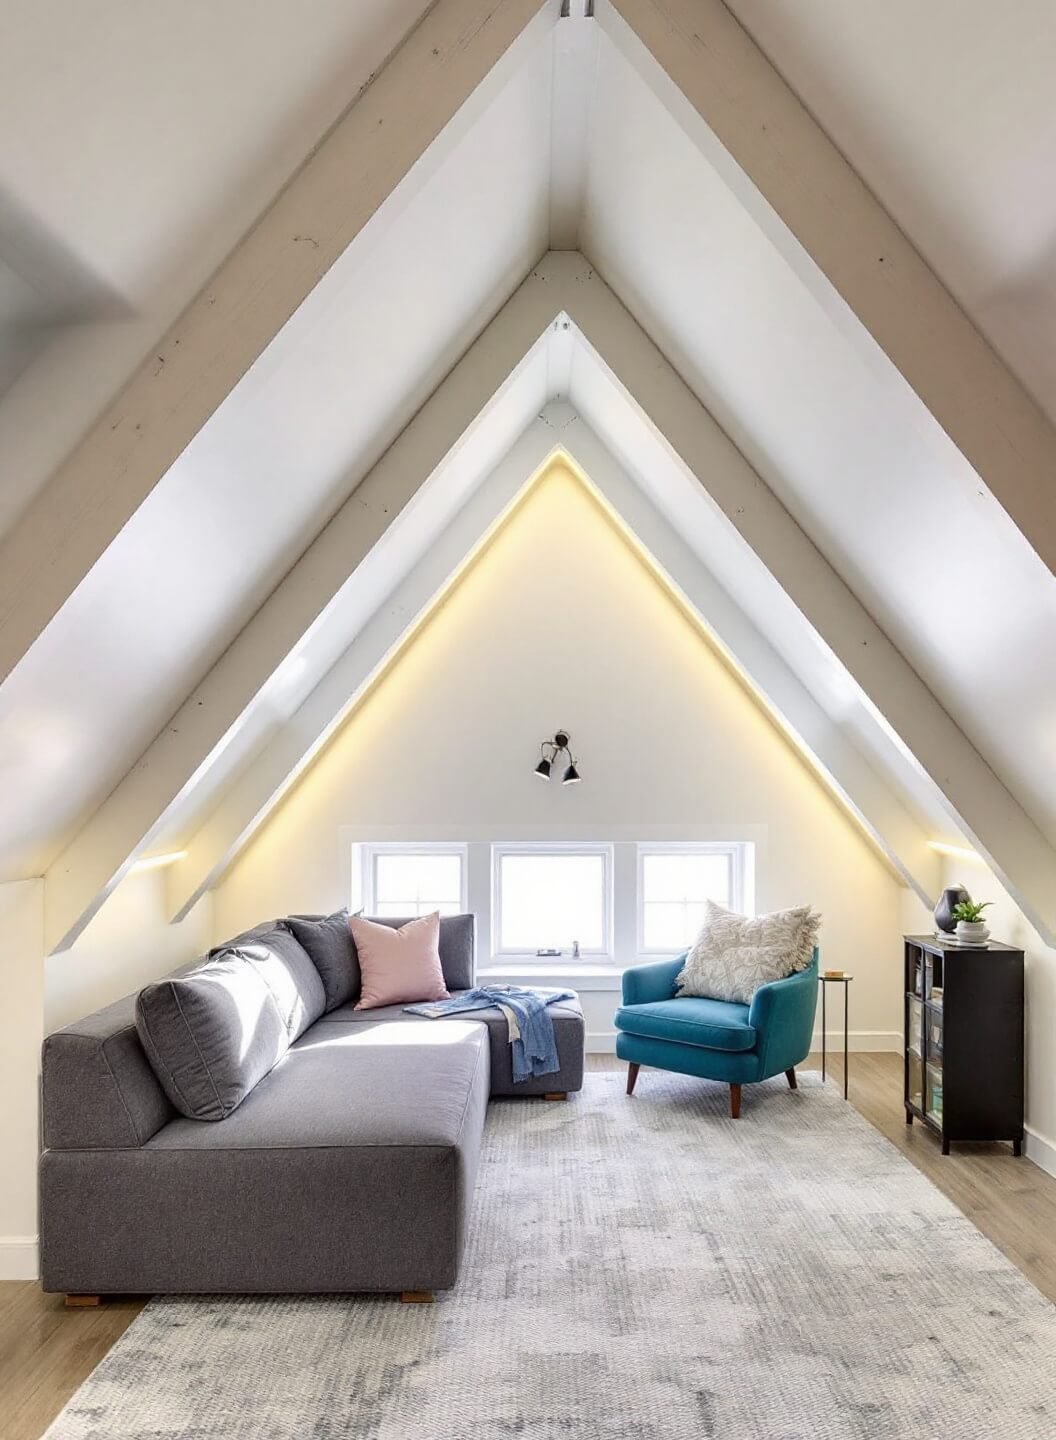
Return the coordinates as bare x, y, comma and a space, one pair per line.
906, 709
97, 857
823, 218
254, 794
340, 187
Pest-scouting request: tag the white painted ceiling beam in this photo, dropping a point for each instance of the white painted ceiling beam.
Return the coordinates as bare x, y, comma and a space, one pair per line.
101, 852
339, 188
255, 793
868, 795
977, 800
562, 283
814, 207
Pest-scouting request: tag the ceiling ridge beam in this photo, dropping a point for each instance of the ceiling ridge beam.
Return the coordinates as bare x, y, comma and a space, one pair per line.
976, 798
298, 742
342, 184
97, 857
812, 197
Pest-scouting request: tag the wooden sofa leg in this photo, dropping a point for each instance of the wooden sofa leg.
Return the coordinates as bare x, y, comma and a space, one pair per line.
735, 1102
790, 1076
82, 1302
632, 1076
416, 1297
556, 1095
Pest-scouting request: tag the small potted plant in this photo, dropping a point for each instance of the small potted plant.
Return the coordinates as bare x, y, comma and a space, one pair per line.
971, 929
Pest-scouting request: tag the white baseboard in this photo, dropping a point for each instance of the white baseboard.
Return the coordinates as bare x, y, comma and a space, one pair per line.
886, 1041
1041, 1150
19, 1257
603, 1042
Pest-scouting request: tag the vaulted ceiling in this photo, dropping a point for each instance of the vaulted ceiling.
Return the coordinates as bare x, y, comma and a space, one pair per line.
847, 484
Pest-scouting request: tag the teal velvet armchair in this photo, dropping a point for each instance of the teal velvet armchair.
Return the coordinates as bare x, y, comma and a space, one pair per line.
715, 1039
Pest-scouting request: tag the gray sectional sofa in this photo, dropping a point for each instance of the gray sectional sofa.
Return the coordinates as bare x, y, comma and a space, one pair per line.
241, 1128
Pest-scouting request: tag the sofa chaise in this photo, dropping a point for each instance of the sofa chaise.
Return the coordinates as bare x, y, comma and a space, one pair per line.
349, 1166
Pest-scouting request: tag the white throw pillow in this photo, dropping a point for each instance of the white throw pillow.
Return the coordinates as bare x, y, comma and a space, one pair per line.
733, 955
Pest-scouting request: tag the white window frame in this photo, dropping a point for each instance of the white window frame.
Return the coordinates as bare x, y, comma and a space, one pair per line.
737, 850
370, 850
604, 849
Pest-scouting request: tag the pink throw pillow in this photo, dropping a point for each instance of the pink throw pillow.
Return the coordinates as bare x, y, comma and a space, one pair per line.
398, 966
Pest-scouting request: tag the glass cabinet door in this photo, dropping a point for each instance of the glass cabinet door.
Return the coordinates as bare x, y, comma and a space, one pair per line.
933, 1062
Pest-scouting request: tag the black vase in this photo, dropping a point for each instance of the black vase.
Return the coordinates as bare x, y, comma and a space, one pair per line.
944, 909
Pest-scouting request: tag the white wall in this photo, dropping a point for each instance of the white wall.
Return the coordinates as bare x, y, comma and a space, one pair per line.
127, 944
21, 1031
559, 623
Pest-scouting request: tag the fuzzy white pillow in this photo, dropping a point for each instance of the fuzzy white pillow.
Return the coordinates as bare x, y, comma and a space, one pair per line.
733, 955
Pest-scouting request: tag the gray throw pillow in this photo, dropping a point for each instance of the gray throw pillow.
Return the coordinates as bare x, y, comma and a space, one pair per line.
733, 955
214, 1032
328, 941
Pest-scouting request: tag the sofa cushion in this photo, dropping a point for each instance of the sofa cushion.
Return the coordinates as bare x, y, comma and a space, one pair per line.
734, 955
398, 964
214, 1032
349, 1085
328, 941
711, 1024
566, 1017
458, 946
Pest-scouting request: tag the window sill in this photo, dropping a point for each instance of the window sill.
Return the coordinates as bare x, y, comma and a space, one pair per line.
551, 972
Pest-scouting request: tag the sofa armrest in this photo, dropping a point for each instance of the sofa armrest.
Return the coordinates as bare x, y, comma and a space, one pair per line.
643, 984
783, 1014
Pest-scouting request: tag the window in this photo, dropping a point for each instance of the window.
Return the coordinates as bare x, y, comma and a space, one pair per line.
406, 880
548, 897
674, 884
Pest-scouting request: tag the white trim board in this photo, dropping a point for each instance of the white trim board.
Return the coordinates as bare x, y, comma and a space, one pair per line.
1041, 1150
882, 1042
19, 1257
862, 1042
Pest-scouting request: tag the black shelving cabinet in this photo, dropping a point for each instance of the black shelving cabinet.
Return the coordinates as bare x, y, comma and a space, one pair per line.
963, 1053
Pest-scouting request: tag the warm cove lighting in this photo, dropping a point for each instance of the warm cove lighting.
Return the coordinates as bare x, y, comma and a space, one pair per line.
961, 851
158, 862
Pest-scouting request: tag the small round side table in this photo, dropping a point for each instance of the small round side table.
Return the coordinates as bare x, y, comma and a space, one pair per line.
825, 981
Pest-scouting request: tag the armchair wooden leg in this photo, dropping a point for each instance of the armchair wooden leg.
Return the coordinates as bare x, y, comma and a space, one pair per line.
416, 1297
632, 1076
790, 1076
735, 1102
82, 1302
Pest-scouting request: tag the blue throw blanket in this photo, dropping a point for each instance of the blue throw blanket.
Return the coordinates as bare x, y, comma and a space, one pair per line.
533, 1048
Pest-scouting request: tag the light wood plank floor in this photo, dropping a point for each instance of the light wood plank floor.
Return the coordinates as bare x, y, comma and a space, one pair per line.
47, 1351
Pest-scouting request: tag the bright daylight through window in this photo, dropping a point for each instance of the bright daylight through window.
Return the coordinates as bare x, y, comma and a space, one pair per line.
550, 899
416, 882
674, 886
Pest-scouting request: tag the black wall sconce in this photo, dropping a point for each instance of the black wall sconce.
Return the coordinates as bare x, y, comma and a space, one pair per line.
550, 750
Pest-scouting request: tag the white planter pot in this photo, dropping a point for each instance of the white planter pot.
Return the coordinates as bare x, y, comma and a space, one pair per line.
972, 932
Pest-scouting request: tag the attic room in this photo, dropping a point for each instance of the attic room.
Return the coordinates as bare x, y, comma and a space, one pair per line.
527, 719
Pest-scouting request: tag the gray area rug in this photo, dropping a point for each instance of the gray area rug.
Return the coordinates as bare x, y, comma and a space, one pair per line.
640, 1268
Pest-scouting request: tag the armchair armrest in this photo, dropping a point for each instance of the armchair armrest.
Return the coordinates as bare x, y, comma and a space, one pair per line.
783, 1014
643, 984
